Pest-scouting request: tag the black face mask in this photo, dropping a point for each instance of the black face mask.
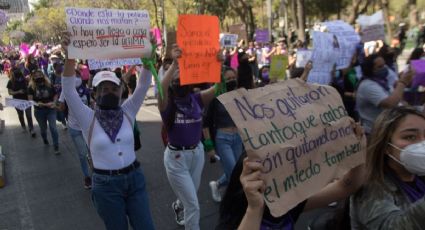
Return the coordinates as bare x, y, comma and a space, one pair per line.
181, 91
39, 81
108, 101
231, 85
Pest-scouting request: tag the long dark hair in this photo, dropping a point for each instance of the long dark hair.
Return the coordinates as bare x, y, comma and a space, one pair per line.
234, 204
171, 116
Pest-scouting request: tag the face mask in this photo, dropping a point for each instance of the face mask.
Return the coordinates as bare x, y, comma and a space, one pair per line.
412, 158
381, 73
108, 101
231, 85
39, 80
181, 91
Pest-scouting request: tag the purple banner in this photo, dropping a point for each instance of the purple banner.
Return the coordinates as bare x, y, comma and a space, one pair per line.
262, 35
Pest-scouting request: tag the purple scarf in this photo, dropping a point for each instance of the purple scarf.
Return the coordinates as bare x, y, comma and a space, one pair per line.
408, 189
188, 106
110, 121
382, 82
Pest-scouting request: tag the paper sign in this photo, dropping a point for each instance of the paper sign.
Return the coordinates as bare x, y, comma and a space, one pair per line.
369, 20
18, 103
347, 40
228, 40
107, 33
198, 37
303, 56
419, 67
238, 29
373, 33
102, 64
262, 35
278, 67
302, 135
3, 17
325, 55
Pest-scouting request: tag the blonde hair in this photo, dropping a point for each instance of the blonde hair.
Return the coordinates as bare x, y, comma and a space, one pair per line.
32, 83
383, 129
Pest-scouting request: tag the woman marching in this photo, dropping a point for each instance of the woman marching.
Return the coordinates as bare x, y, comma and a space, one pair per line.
42, 92
17, 87
393, 196
181, 112
118, 183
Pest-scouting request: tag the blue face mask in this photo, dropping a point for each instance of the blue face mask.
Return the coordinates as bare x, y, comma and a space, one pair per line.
381, 73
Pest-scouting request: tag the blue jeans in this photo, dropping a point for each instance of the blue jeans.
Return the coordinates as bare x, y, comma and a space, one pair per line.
229, 147
81, 147
44, 115
121, 196
184, 171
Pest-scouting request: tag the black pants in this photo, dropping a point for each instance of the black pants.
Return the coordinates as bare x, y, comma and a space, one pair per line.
28, 114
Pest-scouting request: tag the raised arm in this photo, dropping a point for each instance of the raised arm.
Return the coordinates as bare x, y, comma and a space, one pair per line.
176, 53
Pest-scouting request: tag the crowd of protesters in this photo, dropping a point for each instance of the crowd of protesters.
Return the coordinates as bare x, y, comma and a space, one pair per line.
386, 193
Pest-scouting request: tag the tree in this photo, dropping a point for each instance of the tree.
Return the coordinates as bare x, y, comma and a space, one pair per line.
301, 20
385, 5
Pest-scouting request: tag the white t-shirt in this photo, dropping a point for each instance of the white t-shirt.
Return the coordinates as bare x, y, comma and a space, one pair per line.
106, 154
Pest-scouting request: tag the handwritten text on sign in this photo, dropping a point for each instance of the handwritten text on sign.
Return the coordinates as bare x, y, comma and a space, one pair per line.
102, 64
107, 33
18, 103
198, 37
301, 133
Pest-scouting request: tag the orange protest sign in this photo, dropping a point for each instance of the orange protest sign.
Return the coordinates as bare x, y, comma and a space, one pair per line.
198, 37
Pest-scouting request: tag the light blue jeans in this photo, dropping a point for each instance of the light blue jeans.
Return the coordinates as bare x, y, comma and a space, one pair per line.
184, 170
81, 148
44, 115
119, 197
229, 147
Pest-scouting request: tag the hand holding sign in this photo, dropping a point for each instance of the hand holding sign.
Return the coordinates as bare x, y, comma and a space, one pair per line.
253, 183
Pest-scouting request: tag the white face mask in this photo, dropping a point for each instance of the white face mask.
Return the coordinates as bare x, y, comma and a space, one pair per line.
412, 157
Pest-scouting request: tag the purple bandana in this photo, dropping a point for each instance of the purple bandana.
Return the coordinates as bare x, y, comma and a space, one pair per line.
110, 121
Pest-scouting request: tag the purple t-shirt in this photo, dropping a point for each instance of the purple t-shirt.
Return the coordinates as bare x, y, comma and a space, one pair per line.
187, 128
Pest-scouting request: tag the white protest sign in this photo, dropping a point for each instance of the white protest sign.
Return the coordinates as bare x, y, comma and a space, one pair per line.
18, 103
102, 64
228, 40
347, 40
301, 134
372, 26
108, 33
303, 56
325, 55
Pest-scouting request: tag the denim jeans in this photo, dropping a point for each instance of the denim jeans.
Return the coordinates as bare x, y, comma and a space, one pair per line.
81, 148
119, 197
184, 170
28, 114
44, 115
229, 147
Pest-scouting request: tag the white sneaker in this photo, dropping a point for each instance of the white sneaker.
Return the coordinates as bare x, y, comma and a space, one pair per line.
214, 191
179, 212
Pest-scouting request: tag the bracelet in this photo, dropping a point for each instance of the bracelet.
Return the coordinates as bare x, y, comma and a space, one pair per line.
208, 145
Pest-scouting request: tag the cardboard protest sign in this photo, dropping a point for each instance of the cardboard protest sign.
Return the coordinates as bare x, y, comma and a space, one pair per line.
262, 35
171, 39
18, 103
114, 63
347, 40
228, 40
302, 135
278, 67
303, 56
108, 33
197, 36
372, 27
238, 29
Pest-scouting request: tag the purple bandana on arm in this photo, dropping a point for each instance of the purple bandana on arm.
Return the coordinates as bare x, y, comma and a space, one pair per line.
110, 121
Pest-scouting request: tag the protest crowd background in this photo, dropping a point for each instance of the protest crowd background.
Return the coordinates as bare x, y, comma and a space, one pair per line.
296, 115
